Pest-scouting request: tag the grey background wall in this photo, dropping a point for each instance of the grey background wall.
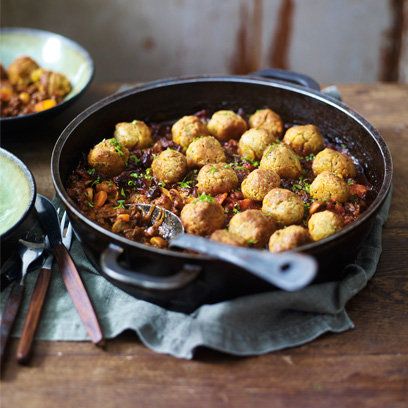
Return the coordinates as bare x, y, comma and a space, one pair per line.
131, 40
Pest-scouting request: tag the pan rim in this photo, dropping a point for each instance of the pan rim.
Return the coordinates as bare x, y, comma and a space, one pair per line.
370, 129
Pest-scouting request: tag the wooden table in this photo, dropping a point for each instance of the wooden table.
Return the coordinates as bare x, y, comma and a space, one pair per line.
367, 366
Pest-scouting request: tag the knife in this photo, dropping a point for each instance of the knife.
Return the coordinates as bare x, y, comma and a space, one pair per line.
34, 310
49, 221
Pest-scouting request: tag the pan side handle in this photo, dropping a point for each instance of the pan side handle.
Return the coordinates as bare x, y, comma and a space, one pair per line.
111, 267
288, 76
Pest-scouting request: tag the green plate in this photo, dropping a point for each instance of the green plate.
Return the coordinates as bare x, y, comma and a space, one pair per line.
50, 51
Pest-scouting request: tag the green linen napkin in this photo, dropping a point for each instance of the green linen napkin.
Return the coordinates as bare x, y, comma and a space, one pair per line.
244, 326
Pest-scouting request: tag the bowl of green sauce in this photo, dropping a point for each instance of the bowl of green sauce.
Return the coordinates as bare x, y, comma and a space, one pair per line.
17, 198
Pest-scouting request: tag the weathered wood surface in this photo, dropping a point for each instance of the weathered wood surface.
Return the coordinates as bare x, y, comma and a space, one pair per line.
367, 366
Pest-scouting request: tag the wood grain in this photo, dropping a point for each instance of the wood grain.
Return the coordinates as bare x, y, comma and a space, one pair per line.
33, 315
8, 317
78, 294
367, 366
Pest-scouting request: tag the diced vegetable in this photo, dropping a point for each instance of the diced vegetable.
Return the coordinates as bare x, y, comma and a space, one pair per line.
158, 242
123, 217
89, 193
100, 198
44, 105
24, 97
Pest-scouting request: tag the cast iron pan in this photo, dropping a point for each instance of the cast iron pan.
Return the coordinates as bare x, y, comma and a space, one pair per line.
197, 279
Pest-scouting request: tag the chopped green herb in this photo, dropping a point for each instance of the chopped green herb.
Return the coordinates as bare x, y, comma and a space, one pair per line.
148, 174
205, 198
350, 181
236, 209
185, 184
121, 204
131, 183
254, 163
122, 192
269, 150
91, 171
161, 184
235, 166
90, 204
310, 157
117, 146
251, 241
301, 185
239, 167
96, 181
213, 169
134, 159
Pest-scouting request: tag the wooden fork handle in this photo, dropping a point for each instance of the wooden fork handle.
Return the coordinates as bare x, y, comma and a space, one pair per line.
33, 315
9, 316
78, 294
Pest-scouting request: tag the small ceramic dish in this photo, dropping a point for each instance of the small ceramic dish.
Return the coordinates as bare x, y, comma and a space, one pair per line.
50, 51
17, 198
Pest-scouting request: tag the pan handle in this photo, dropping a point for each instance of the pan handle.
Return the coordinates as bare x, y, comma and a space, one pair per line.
288, 76
111, 267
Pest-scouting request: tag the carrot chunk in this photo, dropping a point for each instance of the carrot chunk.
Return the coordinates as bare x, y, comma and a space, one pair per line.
123, 217
44, 105
100, 198
358, 190
221, 198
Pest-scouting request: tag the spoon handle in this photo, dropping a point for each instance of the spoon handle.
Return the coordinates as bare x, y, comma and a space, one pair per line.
9, 316
33, 315
289, 270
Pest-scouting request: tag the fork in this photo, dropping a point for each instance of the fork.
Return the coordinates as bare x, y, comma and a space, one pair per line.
29, 252
38, 296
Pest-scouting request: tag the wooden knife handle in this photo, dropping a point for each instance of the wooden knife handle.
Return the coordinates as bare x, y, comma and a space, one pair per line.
78, 294
9, 316
33, 315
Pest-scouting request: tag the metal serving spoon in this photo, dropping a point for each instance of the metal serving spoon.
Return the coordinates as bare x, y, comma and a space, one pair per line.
288, 270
